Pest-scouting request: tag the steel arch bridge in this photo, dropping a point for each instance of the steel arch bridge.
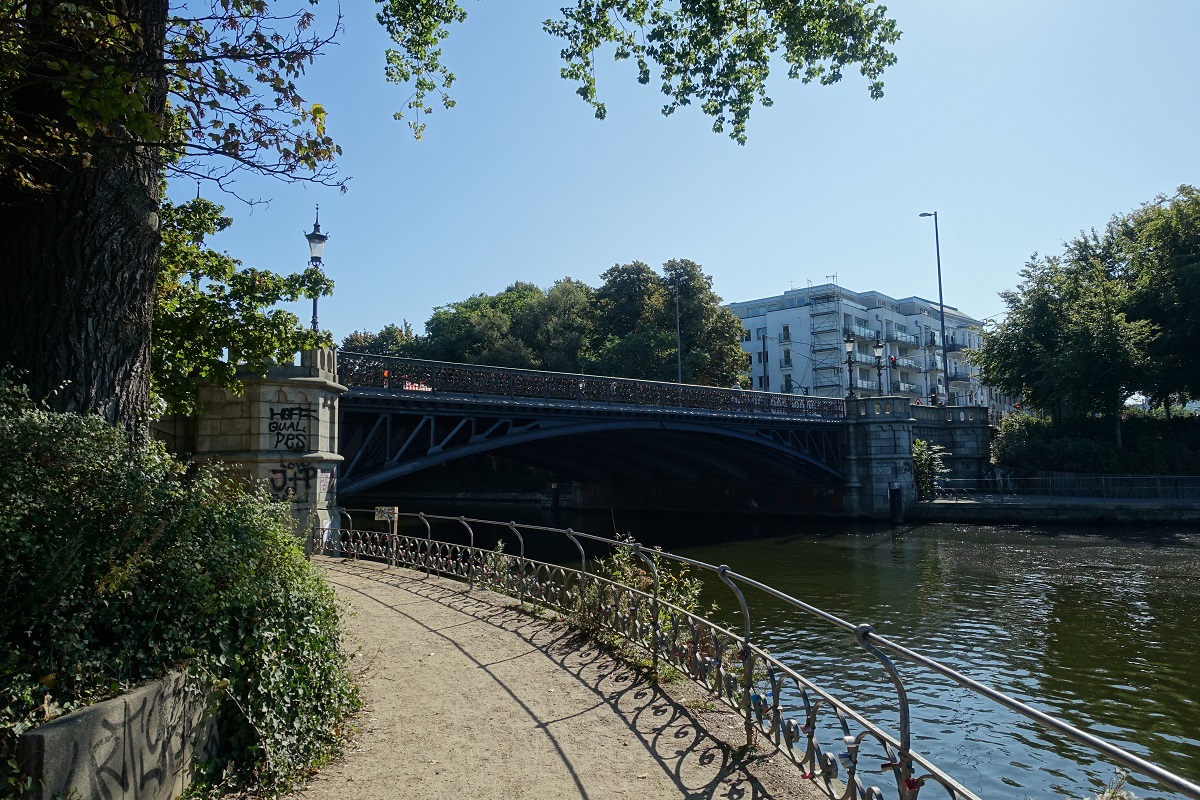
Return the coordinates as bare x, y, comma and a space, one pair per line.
400, 416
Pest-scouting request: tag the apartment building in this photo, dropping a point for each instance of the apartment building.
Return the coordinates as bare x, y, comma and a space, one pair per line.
822, 340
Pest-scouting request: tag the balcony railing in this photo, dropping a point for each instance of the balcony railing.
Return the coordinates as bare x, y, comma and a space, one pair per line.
859, 332
904, 338
904, 388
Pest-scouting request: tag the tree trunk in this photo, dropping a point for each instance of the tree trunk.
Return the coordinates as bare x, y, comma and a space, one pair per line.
80, 260
81, 263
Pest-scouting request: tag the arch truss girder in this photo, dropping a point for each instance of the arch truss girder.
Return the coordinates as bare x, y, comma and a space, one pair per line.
382, 445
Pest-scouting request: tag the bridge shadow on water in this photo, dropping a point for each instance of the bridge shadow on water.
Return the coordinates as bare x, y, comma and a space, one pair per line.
680, 733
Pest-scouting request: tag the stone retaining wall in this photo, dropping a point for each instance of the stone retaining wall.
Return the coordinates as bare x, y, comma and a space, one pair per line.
142, 745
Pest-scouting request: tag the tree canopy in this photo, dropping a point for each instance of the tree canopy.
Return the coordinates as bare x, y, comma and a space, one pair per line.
1116, 313
624, 328
99, 97
211, 314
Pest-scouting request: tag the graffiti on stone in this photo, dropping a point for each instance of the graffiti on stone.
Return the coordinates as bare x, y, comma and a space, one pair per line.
139, 745
291, 481
288, 427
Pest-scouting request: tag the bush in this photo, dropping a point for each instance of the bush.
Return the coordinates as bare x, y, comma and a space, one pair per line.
120, 564
927, 467
1152, 445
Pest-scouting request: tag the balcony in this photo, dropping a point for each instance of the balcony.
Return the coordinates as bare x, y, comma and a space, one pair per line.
911, 339
909, 363
860, 332
958, 376
955, 347
899, 387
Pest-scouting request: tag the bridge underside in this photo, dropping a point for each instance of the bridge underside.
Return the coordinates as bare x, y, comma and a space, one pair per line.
606, 455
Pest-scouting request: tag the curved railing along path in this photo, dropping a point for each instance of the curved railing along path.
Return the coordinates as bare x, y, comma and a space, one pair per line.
831, 743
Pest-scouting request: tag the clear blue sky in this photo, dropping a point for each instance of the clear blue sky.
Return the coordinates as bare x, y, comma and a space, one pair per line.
1021, 122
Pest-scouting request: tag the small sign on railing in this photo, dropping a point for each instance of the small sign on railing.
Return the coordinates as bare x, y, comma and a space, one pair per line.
386, 512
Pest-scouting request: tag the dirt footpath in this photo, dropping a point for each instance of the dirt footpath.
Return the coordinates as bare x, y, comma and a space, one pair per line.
467, 697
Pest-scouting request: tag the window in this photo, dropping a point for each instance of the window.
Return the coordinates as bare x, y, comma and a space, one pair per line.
786, 334
787, 358
764, 382
761, 356
749, 361
787, 384
745, 334
759, 333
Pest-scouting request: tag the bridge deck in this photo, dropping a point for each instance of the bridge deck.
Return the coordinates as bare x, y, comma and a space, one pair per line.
379, 377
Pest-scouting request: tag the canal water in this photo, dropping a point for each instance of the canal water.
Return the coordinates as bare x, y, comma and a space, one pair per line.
1100, 627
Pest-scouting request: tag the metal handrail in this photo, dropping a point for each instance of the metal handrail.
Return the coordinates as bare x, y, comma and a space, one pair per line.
710, 648
412, 375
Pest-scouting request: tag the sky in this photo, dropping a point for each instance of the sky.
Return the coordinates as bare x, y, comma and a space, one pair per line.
1020, 122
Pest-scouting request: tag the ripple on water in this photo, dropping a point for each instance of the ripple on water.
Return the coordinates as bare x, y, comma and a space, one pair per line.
1099, 630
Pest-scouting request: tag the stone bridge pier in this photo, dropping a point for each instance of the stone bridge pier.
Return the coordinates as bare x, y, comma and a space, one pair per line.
879, 433
281, 433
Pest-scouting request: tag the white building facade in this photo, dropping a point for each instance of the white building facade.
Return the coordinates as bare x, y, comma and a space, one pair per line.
797, 343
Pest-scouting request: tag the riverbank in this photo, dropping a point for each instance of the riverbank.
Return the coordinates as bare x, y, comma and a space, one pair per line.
1054, 510
467, 696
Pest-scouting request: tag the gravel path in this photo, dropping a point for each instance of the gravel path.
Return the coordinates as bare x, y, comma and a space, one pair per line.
468, 697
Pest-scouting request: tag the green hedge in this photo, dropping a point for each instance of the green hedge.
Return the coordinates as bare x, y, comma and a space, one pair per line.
1150, 445
119, 563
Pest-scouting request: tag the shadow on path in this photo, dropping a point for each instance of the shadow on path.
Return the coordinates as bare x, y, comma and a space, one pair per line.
609, 731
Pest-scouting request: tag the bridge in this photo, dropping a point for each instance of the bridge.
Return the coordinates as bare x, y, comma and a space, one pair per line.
402, 415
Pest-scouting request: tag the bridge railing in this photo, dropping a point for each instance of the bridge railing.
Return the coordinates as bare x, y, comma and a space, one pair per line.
846, 754
417, 375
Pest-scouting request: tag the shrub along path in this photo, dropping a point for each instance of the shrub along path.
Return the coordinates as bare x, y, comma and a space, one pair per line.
467, 697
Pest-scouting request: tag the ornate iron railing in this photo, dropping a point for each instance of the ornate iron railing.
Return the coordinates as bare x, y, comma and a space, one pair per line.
842, 751
411, 375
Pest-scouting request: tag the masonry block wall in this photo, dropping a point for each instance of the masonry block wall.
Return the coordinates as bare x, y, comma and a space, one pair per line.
964, 432
878, 454
281, 432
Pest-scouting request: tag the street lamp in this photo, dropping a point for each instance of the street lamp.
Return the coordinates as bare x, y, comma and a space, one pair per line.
878, 350
848, 341
316, 246
941, 303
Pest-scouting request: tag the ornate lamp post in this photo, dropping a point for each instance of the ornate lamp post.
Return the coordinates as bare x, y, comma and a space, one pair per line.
848, 341
316, 246
937, 243
878, 349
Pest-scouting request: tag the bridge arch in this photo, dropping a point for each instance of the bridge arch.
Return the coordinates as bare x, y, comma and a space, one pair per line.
677, 450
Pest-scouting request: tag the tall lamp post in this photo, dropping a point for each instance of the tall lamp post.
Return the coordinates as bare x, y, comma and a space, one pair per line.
316, 246
848, 341
941, 303
878, 349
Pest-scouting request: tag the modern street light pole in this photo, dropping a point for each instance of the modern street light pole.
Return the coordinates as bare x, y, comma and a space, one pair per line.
878, 349
937, 243
316, 246
848, 342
